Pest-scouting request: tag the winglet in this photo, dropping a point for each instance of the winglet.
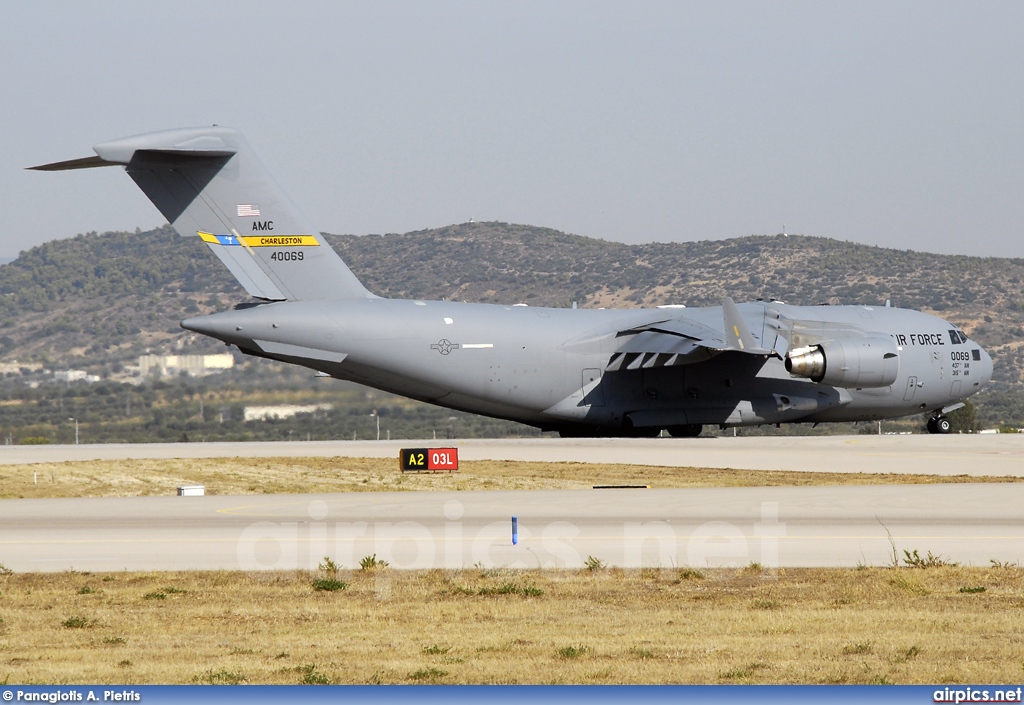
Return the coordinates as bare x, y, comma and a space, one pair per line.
737, 334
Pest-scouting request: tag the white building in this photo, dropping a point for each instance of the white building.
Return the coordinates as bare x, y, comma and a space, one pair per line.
192, 365
282, 411
74, 376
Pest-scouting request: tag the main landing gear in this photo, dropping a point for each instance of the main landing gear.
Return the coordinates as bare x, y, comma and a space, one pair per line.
939, 424
690, 430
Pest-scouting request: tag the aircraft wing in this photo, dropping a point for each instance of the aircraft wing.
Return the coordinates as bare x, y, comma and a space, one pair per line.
682, 341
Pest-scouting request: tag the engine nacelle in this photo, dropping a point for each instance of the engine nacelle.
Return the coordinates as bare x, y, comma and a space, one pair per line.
850, 362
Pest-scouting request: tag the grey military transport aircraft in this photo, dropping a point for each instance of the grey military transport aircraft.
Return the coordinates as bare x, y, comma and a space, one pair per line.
580, 372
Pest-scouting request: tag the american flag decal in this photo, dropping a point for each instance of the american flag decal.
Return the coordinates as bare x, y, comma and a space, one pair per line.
248, 210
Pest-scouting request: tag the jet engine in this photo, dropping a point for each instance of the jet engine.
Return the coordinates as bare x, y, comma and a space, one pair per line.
851, 362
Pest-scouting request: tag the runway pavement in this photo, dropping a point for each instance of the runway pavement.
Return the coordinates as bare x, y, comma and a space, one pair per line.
777, 526
773, 526
988, 454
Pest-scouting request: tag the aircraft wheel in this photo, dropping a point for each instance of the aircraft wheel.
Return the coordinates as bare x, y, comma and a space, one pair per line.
690, 430
943, 425
931, 426
628, 430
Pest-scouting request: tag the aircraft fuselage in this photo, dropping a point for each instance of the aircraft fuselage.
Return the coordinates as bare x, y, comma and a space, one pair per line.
548, 367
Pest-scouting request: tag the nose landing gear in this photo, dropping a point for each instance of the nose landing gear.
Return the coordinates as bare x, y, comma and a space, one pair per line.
939, 424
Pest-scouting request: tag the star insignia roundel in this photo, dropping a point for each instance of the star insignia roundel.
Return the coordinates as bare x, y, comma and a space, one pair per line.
444, 346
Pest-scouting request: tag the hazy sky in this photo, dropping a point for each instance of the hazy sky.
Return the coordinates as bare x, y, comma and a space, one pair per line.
888, 123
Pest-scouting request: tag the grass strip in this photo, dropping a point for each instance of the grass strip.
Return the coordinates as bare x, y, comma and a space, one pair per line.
945, 624
240, 476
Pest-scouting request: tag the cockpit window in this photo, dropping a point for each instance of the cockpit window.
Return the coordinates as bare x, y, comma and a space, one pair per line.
957, 337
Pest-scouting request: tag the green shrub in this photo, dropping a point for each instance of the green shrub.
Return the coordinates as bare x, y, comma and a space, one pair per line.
372, 563
75, 623
573, 651
511, 589
221, 677
329, 584
329, 566
312, 676
913, 560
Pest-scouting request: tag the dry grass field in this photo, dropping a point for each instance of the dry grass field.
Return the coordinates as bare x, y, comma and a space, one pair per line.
873, 625
235, 476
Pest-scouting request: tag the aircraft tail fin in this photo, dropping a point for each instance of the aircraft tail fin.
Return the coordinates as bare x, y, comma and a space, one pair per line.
737, 333
207, 182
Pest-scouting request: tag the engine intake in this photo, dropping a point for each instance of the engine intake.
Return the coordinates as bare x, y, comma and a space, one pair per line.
851, 362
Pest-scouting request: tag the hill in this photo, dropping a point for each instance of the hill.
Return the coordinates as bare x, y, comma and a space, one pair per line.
97, 301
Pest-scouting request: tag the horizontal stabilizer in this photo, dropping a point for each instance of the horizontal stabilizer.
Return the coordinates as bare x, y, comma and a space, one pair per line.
83, 163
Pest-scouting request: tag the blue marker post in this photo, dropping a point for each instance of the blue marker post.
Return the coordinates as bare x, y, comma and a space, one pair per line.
515, 530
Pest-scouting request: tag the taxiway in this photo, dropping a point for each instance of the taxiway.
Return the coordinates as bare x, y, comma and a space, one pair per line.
983, 454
